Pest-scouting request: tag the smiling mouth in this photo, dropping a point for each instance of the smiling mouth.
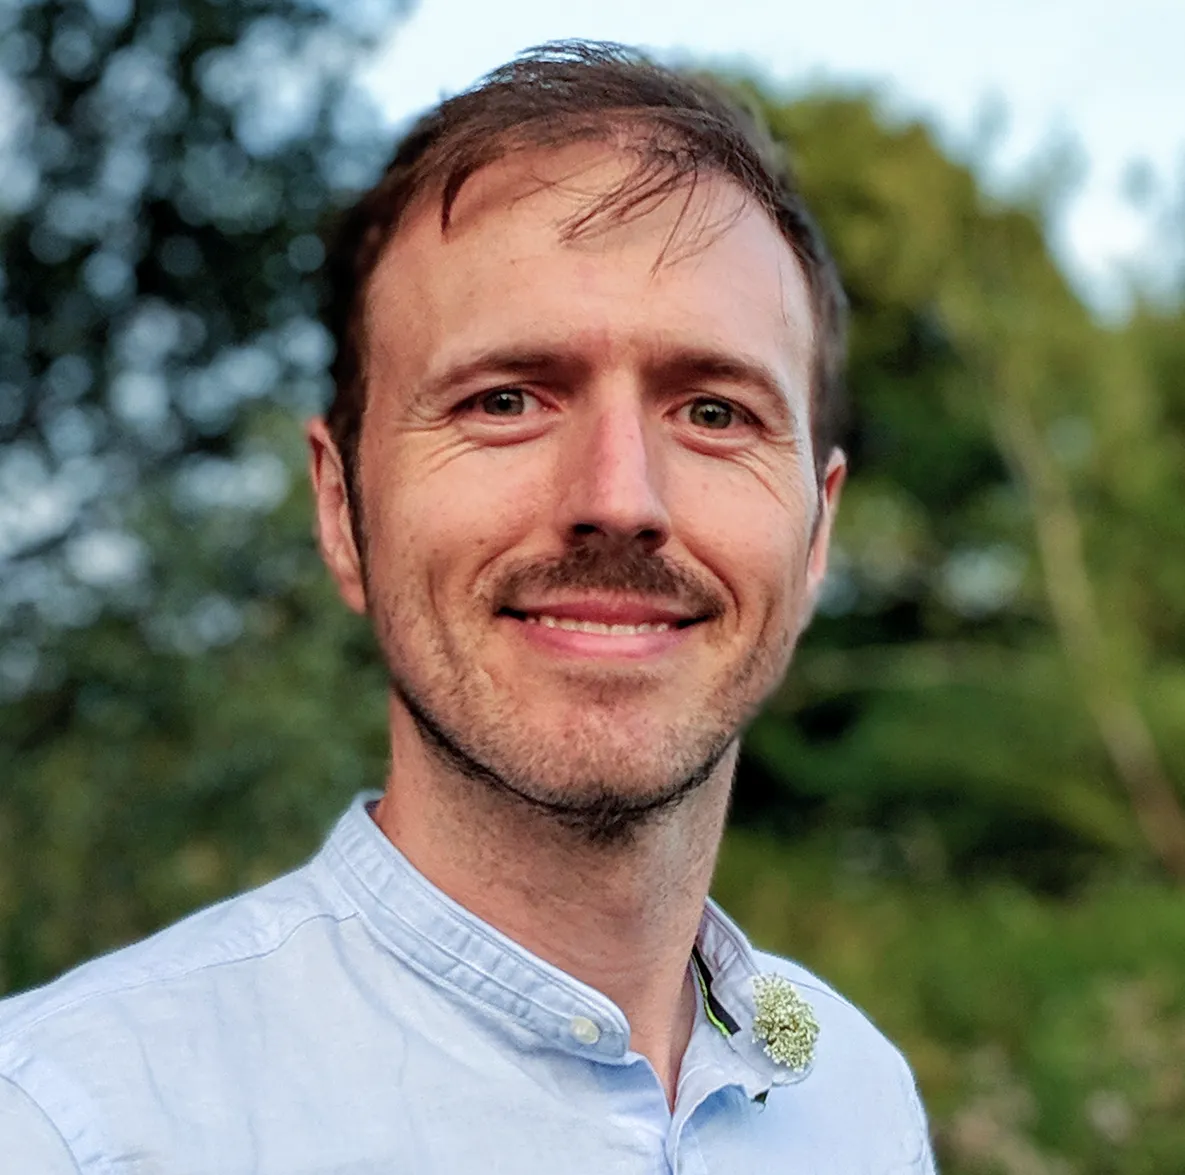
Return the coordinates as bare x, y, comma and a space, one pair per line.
570, 624
598, 627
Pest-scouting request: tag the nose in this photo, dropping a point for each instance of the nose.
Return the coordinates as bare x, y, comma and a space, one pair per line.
612, 475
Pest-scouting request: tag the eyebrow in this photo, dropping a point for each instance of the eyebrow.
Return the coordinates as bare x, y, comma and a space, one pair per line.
507, 361
702, 363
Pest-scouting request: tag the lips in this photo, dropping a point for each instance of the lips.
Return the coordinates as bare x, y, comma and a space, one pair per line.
604, 616
606, 630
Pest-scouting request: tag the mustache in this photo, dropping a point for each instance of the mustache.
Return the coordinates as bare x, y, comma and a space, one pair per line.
600, 568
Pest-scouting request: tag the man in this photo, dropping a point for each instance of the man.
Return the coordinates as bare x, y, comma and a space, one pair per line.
579, 473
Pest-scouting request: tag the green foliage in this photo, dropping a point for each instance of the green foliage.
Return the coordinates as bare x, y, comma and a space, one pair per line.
171, 654
997, 652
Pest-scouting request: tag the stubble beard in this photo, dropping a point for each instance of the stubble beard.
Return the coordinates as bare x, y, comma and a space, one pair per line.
597, 813
592, 783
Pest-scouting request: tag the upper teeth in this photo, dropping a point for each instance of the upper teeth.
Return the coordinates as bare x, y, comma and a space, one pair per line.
595, 626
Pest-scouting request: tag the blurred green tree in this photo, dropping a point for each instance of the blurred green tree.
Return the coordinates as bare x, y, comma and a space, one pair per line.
980, 686
166, 169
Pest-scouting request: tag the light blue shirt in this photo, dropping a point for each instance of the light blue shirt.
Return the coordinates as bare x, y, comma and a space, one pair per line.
349, 1018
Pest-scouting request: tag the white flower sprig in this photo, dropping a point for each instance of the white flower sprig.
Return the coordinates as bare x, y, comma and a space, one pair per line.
784, 1021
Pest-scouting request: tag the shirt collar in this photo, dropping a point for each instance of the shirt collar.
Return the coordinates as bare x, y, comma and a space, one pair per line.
449, 946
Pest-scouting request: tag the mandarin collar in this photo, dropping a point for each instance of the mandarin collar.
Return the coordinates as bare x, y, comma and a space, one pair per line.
452, 948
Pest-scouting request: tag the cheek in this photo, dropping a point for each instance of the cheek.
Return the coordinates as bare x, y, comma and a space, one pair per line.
437, 526
752, 532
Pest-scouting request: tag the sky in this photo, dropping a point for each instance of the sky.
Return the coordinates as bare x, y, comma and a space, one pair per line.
1102, 76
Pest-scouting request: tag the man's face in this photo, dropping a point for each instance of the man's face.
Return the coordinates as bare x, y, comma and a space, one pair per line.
592, 526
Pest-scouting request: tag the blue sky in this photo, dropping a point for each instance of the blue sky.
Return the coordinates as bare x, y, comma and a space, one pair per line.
1106, 75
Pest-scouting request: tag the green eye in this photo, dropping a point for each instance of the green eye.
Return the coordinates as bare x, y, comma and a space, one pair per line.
711, 414
504, 402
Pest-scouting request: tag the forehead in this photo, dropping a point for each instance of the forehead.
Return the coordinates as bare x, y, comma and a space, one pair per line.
549, 241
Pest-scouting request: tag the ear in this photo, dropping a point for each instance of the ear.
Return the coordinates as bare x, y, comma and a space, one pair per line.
816, 568
334, 525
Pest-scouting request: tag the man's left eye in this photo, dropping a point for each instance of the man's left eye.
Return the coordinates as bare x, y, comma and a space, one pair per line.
714, 414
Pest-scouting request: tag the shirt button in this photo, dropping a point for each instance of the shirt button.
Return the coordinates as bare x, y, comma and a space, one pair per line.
585, 1030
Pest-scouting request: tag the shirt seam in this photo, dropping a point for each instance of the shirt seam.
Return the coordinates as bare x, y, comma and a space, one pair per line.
909, 1087
45, 1117
170, 977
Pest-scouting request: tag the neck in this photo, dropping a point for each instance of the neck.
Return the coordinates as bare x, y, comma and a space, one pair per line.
621, 918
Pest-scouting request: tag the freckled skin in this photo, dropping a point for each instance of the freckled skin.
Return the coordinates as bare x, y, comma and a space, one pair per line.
605, 434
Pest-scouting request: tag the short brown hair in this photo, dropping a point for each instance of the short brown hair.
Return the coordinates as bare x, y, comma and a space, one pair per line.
678, 125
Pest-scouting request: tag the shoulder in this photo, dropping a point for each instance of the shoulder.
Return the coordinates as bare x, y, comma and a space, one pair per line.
858, 1067
99, 1046
210, 943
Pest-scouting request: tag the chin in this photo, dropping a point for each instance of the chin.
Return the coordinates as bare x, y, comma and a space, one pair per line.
629, 759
